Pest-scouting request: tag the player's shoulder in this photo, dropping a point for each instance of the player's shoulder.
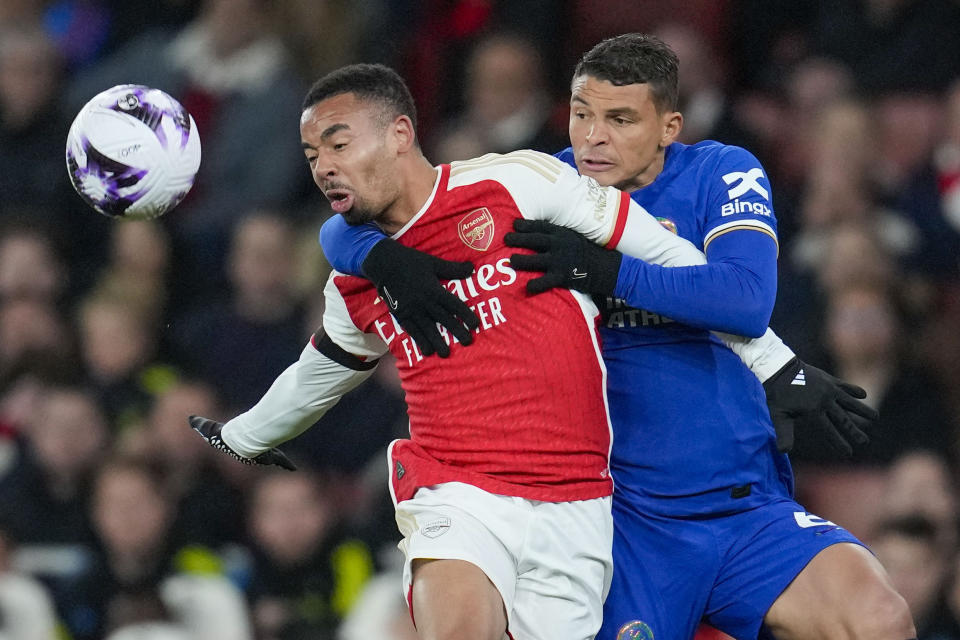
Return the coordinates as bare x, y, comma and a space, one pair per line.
523, 165
566, 156
710, 154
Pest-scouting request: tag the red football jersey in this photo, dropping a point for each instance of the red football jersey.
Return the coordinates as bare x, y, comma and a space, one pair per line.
522, 411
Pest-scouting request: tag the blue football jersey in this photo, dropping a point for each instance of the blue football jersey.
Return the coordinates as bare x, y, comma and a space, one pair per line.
692, 432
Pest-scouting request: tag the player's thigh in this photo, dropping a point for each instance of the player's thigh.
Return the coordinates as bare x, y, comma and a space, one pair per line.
473, 538
843, 592
456, 599
565, 568
663, 569
764, 550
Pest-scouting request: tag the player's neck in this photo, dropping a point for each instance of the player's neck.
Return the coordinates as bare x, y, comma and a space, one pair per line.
418, 178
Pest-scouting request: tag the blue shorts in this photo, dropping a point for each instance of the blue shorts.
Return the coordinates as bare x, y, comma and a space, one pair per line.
671, 573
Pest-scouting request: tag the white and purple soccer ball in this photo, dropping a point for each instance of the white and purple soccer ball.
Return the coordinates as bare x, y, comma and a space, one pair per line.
133, 152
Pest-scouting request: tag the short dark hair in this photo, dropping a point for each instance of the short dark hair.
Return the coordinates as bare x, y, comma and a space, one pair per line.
369, 82
635, 58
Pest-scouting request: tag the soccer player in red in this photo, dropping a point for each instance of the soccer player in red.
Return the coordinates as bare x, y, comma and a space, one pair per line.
502, 490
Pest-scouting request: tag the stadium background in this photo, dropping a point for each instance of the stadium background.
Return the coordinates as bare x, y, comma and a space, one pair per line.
112, 513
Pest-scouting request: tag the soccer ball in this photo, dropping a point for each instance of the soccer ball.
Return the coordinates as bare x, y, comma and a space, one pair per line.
133, 152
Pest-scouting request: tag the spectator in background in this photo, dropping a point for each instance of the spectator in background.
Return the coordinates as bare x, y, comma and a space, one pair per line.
118, 344
30, 266
46, 495
432, 39
907, 126
307, 573
703, 98
33, 128
133, 517
842, 186
507, 105
47, 492
810, 87
31, 121
35, 340
233, 74
138, 266
32, 329
932, 198
909, 549
919, 483
864, 334
197, 607
306, 26
258, 328
839, 218
208, 506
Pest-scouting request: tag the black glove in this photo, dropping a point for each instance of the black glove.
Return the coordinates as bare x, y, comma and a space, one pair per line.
409, 282
209, 430
827, 410
567, 259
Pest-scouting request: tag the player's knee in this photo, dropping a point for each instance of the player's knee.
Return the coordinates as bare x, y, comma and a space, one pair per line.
880, 614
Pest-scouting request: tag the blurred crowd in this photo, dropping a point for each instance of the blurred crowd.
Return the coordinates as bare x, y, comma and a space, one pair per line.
117, 521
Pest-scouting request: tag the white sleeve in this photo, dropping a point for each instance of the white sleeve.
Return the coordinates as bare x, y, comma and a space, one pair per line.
308, 388
544, 188
764, 355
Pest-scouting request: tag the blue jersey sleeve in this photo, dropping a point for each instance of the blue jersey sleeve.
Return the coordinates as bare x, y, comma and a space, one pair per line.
346, 246
736, 290
737, 197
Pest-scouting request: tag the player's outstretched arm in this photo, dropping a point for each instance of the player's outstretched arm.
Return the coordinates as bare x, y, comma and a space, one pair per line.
406, 279
299, 397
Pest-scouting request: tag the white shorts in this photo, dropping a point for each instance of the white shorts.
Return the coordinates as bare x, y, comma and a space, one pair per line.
551, 562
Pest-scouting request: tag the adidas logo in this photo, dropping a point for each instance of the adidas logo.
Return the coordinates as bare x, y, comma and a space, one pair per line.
800, 379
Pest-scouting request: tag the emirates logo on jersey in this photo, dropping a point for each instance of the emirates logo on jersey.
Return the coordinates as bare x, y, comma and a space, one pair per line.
476, 229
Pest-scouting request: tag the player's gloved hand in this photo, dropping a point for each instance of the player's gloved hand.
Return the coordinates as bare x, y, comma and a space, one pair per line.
567, 258
408, 281
812, 408
209, 430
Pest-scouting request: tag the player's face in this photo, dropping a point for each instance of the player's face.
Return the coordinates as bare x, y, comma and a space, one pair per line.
618, 138
351, 156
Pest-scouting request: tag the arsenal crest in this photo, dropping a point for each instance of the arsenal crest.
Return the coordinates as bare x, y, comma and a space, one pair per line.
476, 229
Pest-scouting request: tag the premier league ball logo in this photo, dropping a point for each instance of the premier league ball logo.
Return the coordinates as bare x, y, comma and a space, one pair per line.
635, 630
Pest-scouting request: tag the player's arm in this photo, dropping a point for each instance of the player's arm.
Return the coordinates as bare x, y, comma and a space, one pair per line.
303, 393
830, 406
409, 277
733, 289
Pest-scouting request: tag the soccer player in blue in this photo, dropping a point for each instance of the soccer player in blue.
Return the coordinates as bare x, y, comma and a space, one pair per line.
705, 524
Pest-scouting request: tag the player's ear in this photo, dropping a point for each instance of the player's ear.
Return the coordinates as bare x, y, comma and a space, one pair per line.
672, 122
404, 135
